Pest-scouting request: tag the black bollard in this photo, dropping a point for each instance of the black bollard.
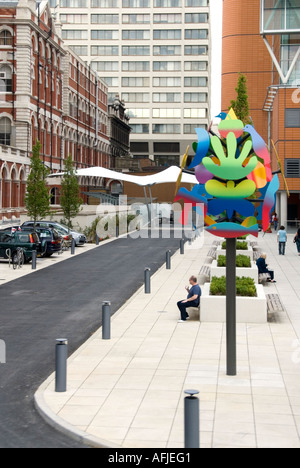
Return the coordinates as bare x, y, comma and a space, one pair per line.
73, 245
181, 246
34, 255
168, 259
191, 420
106, 319
61, 352
147, 275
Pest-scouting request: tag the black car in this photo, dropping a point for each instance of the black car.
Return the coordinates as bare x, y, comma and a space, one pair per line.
11, 242
50, 240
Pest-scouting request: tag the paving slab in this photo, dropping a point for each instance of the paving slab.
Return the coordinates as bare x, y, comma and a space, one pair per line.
129, 391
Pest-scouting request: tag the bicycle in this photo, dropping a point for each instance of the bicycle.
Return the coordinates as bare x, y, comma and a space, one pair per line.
18, 258
64, 246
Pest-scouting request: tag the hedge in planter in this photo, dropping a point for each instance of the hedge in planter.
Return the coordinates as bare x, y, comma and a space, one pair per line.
242, 261
239, 245
245, 287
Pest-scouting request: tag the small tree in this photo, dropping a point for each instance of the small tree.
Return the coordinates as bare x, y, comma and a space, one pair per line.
37, 199
70, 200
241, 105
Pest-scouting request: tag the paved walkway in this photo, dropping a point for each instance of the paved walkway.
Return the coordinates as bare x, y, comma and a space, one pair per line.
128, 392
7, 273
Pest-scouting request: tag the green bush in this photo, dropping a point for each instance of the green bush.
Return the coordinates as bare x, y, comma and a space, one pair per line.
90, 231
245, 287
239, 245
242, 261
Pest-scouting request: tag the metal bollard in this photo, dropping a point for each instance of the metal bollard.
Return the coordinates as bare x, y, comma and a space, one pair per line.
168, 259
147, 281
191, 420
181, 246
61, 355
34, 255
73, 245
97, 239
117, 231
106, 316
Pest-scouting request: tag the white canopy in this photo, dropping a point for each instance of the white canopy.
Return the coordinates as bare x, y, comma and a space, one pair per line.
169, 175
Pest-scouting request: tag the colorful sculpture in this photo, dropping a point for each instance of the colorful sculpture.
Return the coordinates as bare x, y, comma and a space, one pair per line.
235, 180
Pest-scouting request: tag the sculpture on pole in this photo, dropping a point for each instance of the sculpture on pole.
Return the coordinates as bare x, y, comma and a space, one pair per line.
235, 180
236, 191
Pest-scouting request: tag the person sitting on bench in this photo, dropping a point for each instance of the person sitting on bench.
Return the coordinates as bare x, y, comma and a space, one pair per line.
193, 299
263, 268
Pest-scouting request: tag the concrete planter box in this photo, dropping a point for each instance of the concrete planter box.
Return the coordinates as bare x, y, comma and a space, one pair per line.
249, 309
246, 272
248, 253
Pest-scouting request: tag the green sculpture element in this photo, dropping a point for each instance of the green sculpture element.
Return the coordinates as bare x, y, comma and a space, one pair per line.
230, 167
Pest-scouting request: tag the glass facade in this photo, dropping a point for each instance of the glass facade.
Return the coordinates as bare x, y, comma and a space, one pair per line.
280, 16
154, 54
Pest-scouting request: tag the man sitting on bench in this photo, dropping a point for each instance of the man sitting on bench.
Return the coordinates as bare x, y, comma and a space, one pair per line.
193, 299
263, 268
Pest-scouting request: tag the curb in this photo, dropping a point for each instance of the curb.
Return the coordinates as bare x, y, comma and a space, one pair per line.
56, 421
62, 426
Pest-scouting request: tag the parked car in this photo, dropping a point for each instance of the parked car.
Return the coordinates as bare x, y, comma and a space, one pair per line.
80, 239
50, 240
10, 242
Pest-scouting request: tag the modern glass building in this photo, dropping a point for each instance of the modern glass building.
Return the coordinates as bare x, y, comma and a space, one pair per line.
154, 54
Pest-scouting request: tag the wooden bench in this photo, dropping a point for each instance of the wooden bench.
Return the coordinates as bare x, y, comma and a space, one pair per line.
263, 278
205, 270
274, 303
212, 253
216, 243
194, 313
204, 275
256, 255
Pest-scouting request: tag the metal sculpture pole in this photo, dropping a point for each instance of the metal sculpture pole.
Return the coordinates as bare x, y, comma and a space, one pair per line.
231, 306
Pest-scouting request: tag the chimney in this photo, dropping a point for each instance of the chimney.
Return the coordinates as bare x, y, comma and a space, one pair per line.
25, 8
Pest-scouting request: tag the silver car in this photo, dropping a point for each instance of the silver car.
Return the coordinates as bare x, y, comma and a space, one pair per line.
79, 238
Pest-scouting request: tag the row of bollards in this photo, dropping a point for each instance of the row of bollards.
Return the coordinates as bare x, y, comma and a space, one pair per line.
147, 271
61, 350
191, 402
34, 254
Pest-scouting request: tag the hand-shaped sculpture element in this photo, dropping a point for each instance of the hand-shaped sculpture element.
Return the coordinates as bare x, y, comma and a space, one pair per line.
231, 168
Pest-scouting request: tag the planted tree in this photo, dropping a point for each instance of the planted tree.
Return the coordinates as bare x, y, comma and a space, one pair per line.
37, 199
241, 104
70, 199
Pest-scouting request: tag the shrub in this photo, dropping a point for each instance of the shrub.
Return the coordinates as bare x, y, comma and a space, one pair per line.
239, 245
245, 287
90, 231
242, 261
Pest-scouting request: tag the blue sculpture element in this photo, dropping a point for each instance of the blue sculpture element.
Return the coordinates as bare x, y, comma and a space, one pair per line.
202, 147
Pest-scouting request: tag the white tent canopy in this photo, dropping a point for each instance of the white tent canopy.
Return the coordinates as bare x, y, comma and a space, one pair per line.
169, 175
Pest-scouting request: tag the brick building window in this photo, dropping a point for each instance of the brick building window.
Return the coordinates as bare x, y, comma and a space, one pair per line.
5, 79
292, 118
6, 38
5, 131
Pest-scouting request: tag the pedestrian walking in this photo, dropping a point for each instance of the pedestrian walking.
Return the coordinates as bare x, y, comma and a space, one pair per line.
297, 240
282, 240
275, 221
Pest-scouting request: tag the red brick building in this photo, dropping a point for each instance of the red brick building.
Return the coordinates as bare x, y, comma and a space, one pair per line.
49, 94
261, 39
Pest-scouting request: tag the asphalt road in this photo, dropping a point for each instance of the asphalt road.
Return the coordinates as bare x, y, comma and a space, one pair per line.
63, 300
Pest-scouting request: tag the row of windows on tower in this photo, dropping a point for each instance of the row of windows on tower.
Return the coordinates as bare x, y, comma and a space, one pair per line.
128, 3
